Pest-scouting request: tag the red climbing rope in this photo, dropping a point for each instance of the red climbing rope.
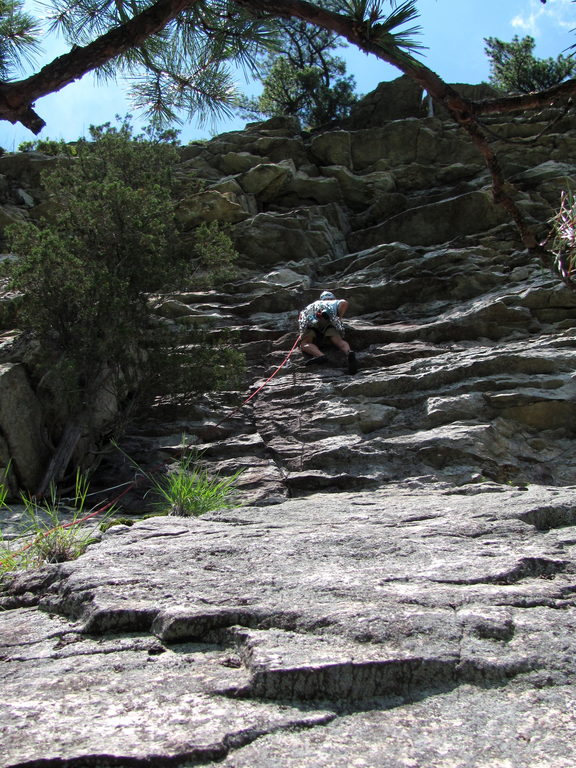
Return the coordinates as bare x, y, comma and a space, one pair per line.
282, 364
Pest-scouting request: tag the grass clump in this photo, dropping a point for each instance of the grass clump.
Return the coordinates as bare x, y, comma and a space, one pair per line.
50, 531
190, 489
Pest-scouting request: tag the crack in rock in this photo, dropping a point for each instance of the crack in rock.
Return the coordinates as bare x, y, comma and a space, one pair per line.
525, 568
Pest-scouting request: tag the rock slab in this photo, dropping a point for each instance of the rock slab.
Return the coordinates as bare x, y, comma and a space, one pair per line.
412, 625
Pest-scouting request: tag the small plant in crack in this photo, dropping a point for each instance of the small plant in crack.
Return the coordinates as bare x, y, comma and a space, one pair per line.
562, 238
190, 490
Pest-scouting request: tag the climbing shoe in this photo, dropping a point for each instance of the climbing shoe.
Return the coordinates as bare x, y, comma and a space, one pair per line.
352, 364
317, 360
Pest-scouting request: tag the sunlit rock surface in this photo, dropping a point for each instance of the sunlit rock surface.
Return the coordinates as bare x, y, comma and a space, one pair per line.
439, 620
398, 587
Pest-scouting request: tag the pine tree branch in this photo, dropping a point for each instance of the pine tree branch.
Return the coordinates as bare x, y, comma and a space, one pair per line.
462, 110
361, 34
17, 98
556, 94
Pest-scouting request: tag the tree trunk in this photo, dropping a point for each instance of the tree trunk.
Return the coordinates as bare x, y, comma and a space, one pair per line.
61, 457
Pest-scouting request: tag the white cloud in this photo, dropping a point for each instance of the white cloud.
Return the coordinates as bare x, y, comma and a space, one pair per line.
527, 24
527, 21
563, 13
556, 13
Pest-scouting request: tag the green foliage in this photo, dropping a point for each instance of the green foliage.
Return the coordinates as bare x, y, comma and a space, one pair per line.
51, 531
49, 147
19, 34
385, 28
212, 255
515, 69
196, 361
301, 77
109, 240
86, 273
304, 92
187, 69
562, 238
190, 490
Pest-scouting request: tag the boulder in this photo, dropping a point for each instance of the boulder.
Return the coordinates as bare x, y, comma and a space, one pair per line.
238, 162
210, 205
280, 125
267, 180
359, 192
282, 148
435, 223
397, 143
394, 100
202, 166
287, 278
472, 92
309, 190
332, 148
272, 239
27, 167
21, 426
11, 214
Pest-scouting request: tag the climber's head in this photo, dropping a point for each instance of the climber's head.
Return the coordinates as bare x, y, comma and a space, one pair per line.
325, 295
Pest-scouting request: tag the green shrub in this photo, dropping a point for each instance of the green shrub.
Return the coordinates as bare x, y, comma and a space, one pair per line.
190, 489
86, 272
212, 255
515, 69
48, 147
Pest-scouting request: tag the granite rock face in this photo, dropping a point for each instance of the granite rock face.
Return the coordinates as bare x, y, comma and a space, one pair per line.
466, 346
416, 623
398, 587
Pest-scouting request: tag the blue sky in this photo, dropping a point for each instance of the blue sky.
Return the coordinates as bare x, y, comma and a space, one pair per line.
452, 30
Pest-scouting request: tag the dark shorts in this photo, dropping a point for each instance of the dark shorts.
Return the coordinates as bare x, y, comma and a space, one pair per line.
311, 336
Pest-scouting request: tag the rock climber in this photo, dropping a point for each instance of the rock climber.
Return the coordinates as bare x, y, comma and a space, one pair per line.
323, 320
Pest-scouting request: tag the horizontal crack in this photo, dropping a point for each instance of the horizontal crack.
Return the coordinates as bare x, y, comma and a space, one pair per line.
546, 518
525, 568
195, 756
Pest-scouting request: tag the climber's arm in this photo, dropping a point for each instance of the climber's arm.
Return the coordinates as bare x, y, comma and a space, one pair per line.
342, 307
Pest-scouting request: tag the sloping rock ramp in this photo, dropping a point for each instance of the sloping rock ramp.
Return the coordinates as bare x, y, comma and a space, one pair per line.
415, 625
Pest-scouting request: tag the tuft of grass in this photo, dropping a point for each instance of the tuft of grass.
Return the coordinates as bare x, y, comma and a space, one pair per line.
191, 490
44, 535
11, 560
